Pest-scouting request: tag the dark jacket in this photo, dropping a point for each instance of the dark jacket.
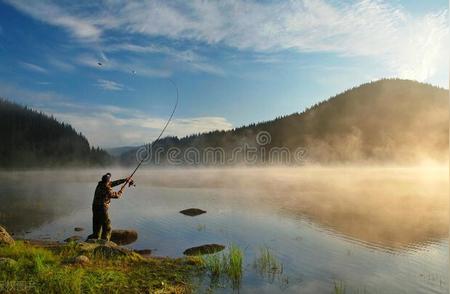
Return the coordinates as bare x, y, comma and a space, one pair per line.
104, 193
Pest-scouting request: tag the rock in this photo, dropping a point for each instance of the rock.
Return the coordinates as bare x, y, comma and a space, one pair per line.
5, 238
6, 262
144, 252
204, 249
72, 239
124, 237
81, 260
78, 229
106, 251
193, 211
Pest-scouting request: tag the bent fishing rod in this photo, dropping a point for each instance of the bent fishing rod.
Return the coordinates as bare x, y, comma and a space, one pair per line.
159, 137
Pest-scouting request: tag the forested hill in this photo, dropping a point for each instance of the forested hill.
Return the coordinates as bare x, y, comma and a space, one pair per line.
390, 120
33, 139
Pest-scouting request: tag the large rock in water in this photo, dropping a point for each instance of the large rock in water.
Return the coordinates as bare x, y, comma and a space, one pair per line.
192, 211
123, 237
5, 238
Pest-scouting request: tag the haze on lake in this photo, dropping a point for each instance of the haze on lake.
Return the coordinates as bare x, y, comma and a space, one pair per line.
374, 229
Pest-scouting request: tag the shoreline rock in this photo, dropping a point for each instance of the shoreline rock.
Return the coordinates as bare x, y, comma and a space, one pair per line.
124, 237
204, 249
5, 237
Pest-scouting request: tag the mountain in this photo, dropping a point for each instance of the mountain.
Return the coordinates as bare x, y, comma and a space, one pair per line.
390, 121
117, 151
33, 139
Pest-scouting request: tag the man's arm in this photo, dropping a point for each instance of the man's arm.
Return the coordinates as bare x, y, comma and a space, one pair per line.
118, 182
113, 194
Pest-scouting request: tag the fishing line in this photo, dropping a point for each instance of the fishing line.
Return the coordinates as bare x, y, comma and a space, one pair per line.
159, 136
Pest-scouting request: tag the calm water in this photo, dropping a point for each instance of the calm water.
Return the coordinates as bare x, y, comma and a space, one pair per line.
375, 230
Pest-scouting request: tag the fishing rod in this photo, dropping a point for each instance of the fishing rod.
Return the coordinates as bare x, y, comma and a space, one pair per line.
159, 137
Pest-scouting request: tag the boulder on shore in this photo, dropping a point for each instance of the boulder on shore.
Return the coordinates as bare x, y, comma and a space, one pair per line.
5, 237
106, 249
81, 260
192, 211
204, 249
123, 237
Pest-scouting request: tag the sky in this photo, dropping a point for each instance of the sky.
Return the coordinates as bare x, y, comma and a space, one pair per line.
234, 62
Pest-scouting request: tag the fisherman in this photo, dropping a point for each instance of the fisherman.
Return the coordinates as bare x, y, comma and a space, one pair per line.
102, 198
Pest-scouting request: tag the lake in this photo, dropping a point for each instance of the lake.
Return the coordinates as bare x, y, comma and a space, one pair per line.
365, 229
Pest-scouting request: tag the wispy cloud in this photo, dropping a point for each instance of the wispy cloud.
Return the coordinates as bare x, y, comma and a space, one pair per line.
109, 85
51, 13
411, 46
131, 67
61, 65
32, 67
189, 58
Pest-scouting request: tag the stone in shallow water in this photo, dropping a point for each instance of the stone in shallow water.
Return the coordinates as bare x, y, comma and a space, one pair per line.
72, 239
204, 249
123, 237
193, 211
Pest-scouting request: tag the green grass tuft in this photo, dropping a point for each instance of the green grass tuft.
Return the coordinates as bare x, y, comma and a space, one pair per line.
228, 266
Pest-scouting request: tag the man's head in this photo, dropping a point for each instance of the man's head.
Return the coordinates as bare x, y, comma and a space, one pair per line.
106, 178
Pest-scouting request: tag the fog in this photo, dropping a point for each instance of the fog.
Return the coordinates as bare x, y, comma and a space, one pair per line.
393, 207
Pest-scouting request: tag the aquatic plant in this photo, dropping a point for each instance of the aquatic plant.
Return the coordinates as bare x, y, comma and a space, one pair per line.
267, 264
339, 287
227, 265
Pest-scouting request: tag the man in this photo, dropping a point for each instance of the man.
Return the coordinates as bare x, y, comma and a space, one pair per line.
102, 198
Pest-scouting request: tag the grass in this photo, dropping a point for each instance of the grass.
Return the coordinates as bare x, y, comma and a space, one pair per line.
228, 266
42, 270
339, 287
267, 264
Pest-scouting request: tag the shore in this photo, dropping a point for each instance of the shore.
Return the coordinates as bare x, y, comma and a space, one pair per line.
31, 266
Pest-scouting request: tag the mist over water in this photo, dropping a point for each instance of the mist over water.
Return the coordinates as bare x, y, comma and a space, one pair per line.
380, 229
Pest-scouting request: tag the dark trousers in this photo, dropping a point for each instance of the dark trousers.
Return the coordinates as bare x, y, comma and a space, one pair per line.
100, 223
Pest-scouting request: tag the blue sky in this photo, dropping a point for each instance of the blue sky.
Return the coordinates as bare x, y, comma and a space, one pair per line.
235, 62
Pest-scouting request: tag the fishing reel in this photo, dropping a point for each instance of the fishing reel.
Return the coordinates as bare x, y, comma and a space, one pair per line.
131, 183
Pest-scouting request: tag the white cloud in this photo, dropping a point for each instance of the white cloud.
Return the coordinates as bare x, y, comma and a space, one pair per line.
32, 67
107, 129
411, 46
109, 85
